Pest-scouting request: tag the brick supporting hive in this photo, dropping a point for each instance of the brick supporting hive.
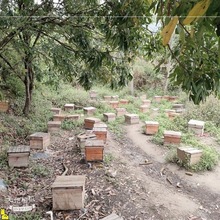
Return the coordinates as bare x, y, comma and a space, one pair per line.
18, 156
114, 104
188, 155
39, 140
196, 126
89, 122
151, 127
172, 137
144, 108
157, 98
89, 110
69, 107
109, 116
100, 130
53, 126
81, 138
131, 119
56, 111
123, 102
4, 105
94, 150
68, 192
120, 112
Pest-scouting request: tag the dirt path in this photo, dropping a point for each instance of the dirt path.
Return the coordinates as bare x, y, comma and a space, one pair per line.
198, 195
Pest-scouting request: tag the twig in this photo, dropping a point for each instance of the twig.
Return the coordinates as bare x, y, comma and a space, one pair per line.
66, 170
148, 163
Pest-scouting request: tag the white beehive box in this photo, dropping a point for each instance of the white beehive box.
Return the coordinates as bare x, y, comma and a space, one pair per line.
196, 126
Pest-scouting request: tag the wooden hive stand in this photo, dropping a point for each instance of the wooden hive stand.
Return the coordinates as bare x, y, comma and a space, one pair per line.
94, 150
18, 156
188, 155
113, 216
60, 117
81, 138
4, 106
131, 119
89, 110
157, 98
146, 102
109, 116
68, 192
114, 104
120, 112
53, 126
196, 126
144, 108
39, 140
56, 111
123, 102
100, 130
172, 137
151, 127
69, 107
89, 122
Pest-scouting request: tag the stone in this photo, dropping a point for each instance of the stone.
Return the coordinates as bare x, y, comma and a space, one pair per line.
89, 110
109, 116
69, 107
53, 126
151, 127
196, 126
172, 137
189, 155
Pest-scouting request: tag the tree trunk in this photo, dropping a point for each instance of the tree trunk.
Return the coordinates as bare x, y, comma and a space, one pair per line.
29, 84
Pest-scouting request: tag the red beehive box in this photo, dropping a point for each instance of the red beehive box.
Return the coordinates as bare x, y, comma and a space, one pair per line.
100, 130
94, 150
172, 137
151, 127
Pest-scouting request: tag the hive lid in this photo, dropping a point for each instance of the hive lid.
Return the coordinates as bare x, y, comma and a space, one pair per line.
39, 135
170, 110
94, 143
131, 115
196, 123
172, 133
151, 123
114, 102
54, 122
69, 105
100, 129
100, 125
190, 150
92, 119
19, 149
89, 108
109, 114
59, 116
178, 105
73, 116
69, 181
55, 109
120, 109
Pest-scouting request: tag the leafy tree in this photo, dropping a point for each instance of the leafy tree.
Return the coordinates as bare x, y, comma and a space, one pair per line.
86, 39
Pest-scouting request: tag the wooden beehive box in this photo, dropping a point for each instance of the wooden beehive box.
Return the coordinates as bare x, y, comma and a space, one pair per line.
81, 138
143, 97
73, 117
172, 137
94, 150
113, 216
89, 122
173, 98
123, 101
68, 192
100, 130
69, 107
107, 98
60, 117
89, 110
56, 111
131, 119
196, 126
121, 111
146, 102
157, 98
4, 105
114, 104
151, 127
166, 97
114, 98
168, 111
144, 108
18, 156
39, 140
172, 115
53, 126
93, 94
109, 116
178, 106
188, 155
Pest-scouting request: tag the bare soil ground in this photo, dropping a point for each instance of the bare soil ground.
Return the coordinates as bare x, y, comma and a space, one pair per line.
157, 191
